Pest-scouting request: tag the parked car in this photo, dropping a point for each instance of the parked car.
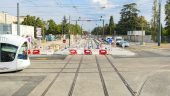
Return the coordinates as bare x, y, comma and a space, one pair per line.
124, 43
118, 41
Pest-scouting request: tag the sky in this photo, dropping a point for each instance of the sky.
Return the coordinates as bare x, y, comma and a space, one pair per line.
83, 9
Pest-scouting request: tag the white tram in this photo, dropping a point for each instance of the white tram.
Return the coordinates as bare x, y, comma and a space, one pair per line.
13, 53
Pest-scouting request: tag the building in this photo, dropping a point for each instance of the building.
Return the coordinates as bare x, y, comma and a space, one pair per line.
5, 18
138, 36
12, 29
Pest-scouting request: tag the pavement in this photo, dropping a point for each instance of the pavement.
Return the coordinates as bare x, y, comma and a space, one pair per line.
146, 76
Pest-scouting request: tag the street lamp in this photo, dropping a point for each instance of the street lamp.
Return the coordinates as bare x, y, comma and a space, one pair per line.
97, 31
103, 24
47, 27
5, 16
159, 23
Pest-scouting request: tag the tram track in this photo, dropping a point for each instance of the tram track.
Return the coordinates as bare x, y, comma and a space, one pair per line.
70, 93
133, 93
55, 78
101, 78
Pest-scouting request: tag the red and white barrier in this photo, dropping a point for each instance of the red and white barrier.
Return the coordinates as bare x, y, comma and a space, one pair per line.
36, 52
29, 52
103, 52
73, 52
87, 52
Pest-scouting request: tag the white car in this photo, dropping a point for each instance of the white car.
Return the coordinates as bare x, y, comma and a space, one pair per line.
124, 43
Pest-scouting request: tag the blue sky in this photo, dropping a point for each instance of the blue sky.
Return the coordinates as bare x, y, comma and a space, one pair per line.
86, 9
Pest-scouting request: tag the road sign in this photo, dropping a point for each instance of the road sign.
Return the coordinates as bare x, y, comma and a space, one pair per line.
110, 40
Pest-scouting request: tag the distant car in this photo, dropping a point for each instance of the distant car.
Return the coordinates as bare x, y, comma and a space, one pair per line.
118, 41
124, 43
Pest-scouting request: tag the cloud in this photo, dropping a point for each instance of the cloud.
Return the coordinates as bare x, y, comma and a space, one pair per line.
103, 3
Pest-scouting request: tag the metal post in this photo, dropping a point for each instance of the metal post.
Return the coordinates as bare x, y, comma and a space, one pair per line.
0, 52
142, 34
18, 21
69, 31
98, 32
103, 28
81, 31
76, 28
159, 22
5, 18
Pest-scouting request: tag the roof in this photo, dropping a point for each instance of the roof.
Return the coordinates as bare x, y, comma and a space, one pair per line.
12, 39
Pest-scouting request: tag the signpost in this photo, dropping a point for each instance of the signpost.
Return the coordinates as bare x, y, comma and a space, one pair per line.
110, 40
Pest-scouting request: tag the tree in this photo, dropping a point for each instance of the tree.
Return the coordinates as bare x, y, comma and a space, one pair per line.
143, 25
128, 21
154, 21
29, 20
97, 31
64, 25
111, 25
52, 27
167, 19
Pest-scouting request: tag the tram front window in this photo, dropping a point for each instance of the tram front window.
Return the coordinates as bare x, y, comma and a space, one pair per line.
23, 52
8, 52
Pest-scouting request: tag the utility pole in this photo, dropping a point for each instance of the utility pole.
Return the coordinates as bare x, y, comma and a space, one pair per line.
103, 24
159, 23
5, 17
18, 21
103, 28
69, 31
76, 28
81, 31
142, 33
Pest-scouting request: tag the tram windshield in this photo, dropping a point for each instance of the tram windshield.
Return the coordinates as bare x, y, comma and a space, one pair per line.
23, 52
7, 52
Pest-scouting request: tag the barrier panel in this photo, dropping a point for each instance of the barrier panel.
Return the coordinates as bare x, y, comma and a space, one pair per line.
29, 52
36, 52
103, 52
73, 52
87, 52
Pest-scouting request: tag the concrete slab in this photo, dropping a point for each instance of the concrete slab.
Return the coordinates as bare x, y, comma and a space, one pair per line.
88, 85
114, 85
61, 86
8, 88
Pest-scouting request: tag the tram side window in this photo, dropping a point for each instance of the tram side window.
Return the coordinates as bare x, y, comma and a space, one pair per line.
23, 52
8, 52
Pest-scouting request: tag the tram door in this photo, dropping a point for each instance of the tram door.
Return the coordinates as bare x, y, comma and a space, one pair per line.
7, 56
22, 56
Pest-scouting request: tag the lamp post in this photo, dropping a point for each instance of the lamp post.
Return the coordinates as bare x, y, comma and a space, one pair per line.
159, 23
5, 15
103, 25
18, 20
69, 31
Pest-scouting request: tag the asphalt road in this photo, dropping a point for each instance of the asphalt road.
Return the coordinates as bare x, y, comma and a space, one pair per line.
147, 74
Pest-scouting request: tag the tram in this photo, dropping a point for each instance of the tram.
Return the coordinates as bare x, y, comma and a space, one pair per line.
13, 53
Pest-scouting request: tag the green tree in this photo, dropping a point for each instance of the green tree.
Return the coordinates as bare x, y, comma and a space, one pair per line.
29, 20
167, 19
52, 27
128, 21
64, 26
143, 25
111, 25
154, 21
